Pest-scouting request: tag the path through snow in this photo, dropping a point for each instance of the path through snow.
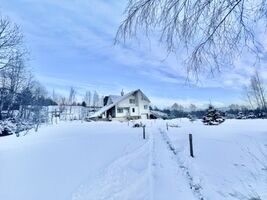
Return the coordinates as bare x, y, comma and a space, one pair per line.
169, 180
149, 172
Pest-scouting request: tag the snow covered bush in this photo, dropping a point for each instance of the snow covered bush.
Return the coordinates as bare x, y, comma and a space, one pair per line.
7, 127
14, 126
192, 118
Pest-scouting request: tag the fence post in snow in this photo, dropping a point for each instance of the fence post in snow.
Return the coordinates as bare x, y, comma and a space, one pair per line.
51, 117
37, 126
191, 145
167, 126
144, 132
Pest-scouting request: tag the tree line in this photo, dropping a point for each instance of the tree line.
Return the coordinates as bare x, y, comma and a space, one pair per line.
93, 100
255, 99
232, 111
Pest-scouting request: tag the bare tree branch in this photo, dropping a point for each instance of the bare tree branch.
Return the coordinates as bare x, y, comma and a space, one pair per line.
212, 31
10, 42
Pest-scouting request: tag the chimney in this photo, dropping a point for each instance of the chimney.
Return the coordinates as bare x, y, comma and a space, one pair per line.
122, 93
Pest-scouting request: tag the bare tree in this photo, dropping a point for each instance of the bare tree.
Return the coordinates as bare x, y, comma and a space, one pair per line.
95, 99
18, 90
87, 98
63, 101
31, 100
12, 56
256, 92
38, 95
17, 76
193, 107
10, 42
72, 96
177, 107
12, 78
213, 32
55, 96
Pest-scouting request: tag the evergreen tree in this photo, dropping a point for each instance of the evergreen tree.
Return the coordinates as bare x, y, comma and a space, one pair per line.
212, 117
83, 104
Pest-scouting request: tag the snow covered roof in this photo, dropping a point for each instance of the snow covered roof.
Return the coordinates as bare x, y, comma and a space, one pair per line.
115, 100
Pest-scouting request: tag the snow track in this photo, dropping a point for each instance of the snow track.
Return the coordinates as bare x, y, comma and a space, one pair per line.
169, 180
150, 172
196, 188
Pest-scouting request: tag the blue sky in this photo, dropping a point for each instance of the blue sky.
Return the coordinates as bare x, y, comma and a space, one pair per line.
71, 44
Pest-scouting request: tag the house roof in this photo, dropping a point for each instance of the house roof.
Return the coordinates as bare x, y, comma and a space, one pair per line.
113, 98
115, 101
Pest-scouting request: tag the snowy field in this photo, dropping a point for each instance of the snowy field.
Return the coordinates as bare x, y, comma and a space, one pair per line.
110, 160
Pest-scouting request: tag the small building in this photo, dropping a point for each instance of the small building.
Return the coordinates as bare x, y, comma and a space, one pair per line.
134, 105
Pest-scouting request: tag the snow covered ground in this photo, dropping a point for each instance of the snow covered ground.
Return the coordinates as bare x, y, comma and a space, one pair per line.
110, 160
230, 160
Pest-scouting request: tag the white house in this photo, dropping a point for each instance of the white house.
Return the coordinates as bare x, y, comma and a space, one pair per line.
134, 105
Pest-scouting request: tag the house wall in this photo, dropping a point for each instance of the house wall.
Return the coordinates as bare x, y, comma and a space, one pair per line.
138, 106
142, 102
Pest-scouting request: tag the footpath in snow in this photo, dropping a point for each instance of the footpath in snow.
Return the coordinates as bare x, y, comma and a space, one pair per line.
169, 180
150, 172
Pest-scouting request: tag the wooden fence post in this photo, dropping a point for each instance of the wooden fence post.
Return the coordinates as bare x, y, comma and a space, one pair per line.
144, 132
37, 126
191, 145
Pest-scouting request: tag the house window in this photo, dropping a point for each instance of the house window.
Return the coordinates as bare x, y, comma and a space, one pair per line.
145, 107
120, 110
132, 100
133, 110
